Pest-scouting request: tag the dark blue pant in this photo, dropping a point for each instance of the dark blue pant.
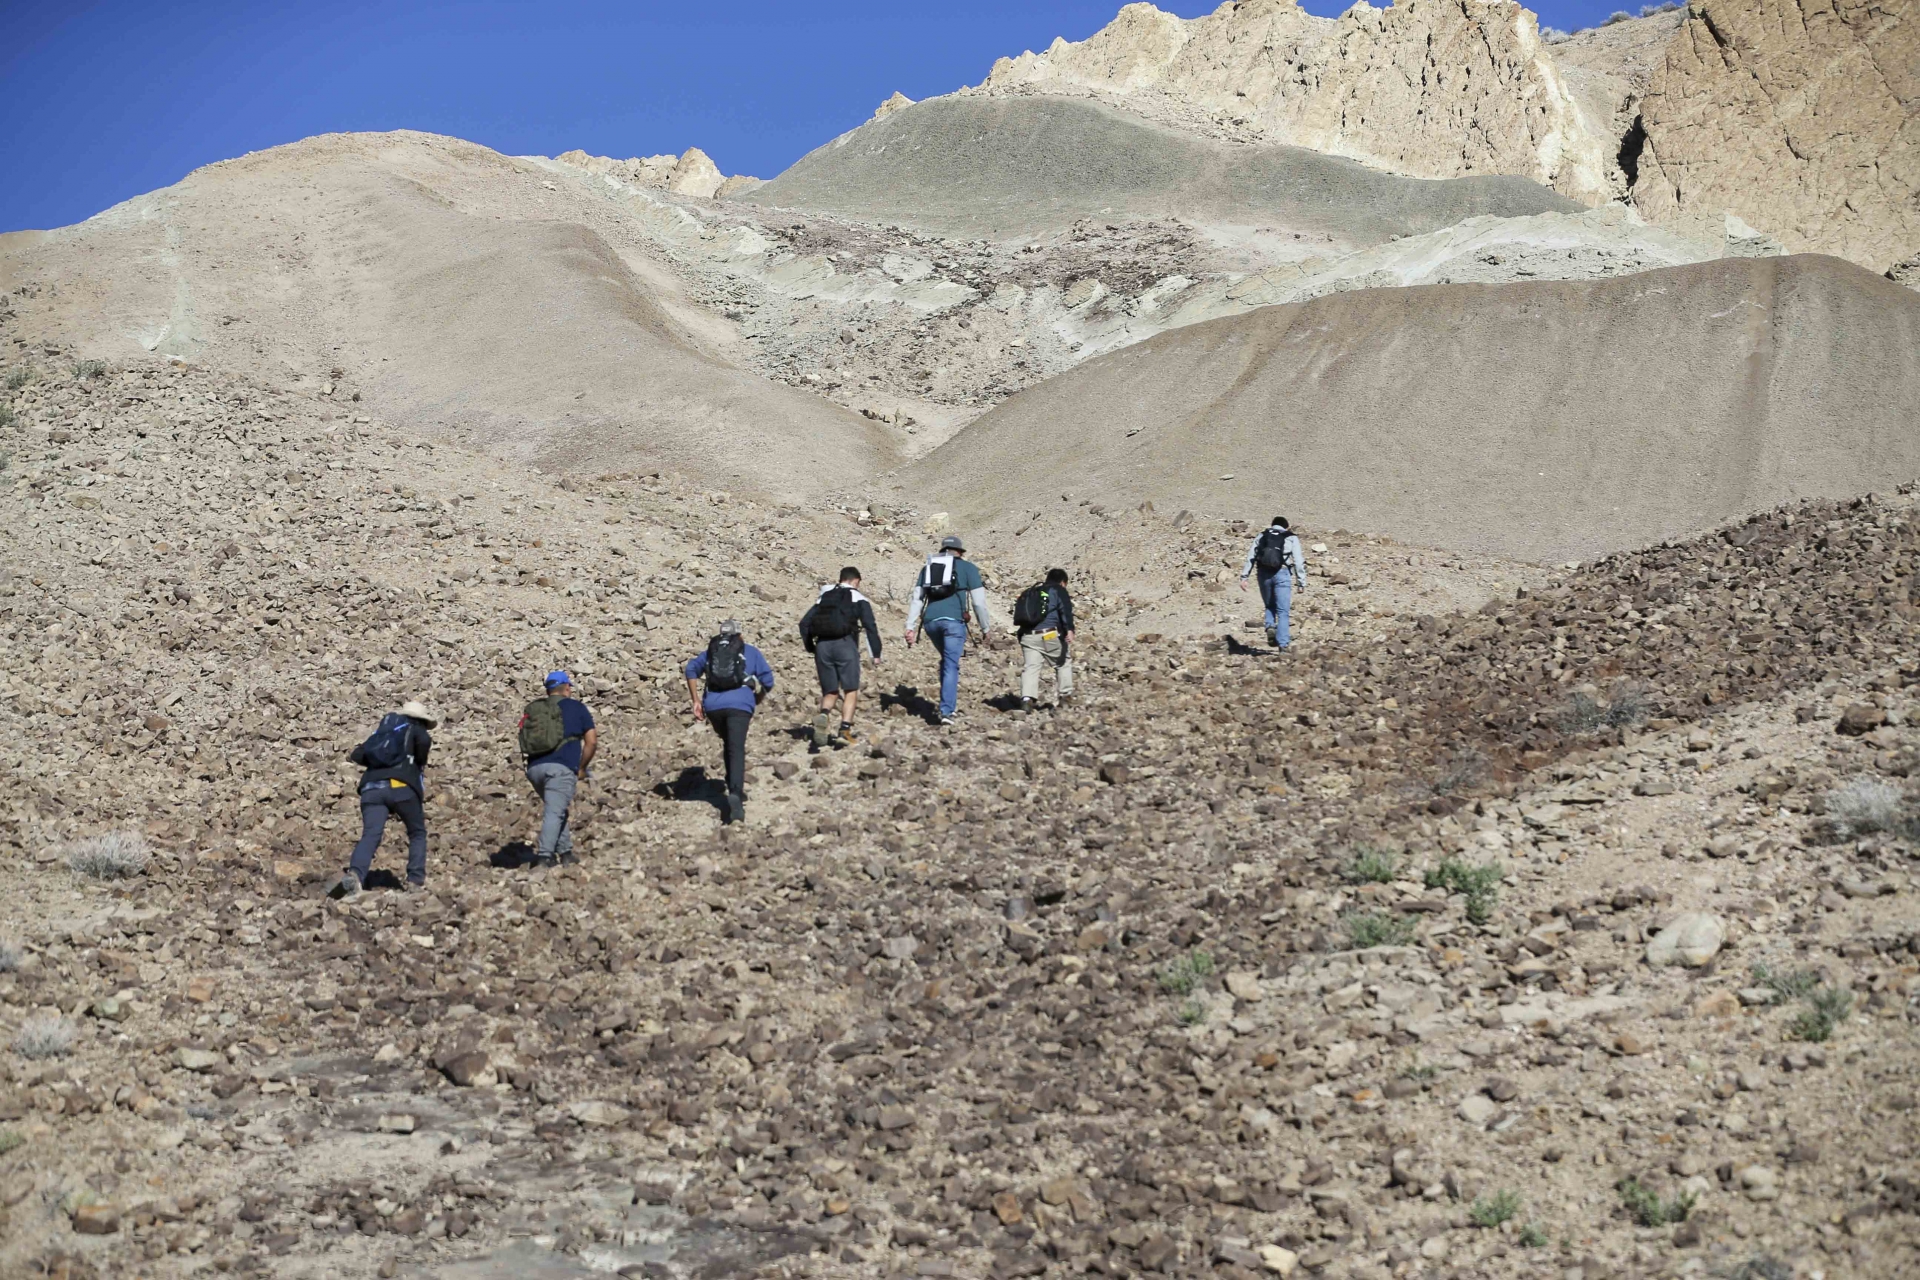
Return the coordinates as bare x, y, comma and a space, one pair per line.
377, 804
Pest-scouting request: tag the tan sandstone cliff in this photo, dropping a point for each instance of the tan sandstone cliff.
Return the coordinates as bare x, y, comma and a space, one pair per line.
1426, 88
1801, 117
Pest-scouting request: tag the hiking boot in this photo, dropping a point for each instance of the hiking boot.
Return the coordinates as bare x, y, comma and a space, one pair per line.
822, 731
946, 722
736, 810
538, 863
347, 886
1273, 637
1028, 704
847, 735
414, 887
1064, 700
566, 859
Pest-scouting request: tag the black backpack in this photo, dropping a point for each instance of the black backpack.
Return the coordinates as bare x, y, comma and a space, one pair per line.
1031, 608
836, 616
1271, 555
943, 585
386, 747
726, 663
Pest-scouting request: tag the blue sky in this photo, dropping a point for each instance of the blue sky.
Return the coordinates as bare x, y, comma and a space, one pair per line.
103, 101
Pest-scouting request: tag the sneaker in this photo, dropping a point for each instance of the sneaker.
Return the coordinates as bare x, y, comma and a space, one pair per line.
822, 731
1028, 704
946, 722
847, 736
538, 863
411, 887
347, 886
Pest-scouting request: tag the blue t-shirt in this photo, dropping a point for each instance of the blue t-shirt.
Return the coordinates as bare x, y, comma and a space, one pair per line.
575, 720
740, 699
966, 580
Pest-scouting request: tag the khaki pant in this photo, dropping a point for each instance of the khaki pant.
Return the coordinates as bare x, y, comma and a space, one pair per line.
1035, 650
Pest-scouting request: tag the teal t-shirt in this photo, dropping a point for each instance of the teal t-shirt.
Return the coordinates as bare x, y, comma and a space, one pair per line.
966, 577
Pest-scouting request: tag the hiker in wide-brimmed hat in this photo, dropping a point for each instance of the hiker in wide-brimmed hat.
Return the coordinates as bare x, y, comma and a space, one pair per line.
948, 590
394, 757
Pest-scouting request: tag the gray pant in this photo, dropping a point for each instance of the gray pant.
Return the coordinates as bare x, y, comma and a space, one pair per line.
554, 784
1036, 652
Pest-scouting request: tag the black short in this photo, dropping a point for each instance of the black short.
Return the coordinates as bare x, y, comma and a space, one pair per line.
837, 663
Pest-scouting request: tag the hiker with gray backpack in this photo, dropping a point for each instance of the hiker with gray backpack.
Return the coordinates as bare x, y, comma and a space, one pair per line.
1275, 557
557, 740
830, 630
394, 760
726, 685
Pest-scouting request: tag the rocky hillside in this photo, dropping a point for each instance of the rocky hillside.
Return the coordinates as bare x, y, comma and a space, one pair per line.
1427, 89
1573, 932
1542, 422
433, 279
1801, 119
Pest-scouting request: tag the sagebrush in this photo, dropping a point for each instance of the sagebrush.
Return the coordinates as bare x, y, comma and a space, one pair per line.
113, 855
1866, 804
46, 1035
1491, 1211
1183, 973
1647, 1208
1380, 929
1371, 866
1479, 884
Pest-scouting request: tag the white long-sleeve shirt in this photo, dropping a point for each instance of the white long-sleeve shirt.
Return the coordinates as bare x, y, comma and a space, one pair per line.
1290, 546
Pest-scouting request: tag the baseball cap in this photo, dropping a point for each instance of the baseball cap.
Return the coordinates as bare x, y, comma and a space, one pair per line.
558, 678
952, 543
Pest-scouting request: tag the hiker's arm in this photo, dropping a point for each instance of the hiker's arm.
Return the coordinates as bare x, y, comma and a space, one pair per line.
693, 696
872, 626
1246, 570
916, 603
978, 599
806, 628
1299, 564
589, 743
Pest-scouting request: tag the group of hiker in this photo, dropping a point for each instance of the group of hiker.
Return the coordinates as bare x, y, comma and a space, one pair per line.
730, 678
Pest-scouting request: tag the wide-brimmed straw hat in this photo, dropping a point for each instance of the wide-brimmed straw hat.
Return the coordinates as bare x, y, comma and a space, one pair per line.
418, 711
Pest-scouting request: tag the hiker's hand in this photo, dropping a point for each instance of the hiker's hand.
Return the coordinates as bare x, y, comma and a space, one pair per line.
699, 710
1243, 584
911, 636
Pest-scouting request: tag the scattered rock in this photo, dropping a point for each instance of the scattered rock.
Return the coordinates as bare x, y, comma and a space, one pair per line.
1692, 938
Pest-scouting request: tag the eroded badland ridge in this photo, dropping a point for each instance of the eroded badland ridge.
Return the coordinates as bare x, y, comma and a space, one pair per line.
1548, 909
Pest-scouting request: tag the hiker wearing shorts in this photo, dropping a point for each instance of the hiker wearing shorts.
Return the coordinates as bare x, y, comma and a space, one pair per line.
831, 631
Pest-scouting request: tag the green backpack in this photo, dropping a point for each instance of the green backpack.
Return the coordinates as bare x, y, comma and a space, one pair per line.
542, 731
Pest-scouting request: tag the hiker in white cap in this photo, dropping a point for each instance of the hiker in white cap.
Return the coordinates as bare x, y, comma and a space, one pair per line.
394, 757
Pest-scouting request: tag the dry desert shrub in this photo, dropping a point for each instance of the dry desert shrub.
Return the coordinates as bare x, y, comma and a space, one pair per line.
114, 855
46, 1035
10, 956
1864, 805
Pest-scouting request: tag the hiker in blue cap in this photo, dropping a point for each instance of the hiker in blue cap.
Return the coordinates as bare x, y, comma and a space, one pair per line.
558, 739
